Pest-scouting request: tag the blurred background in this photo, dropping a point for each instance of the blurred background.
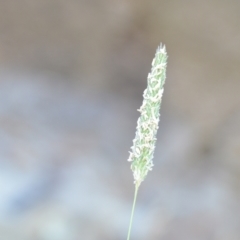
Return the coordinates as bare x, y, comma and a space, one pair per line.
72, 75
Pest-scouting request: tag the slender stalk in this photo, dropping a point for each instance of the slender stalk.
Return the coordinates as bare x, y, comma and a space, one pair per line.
132, 213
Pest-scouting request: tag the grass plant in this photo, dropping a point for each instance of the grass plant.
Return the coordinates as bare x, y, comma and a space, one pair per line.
142, 151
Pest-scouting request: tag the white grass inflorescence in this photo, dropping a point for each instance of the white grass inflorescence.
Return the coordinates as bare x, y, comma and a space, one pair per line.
142, 151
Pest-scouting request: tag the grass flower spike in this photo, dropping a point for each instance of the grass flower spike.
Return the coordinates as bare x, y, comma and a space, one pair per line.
142, 151
147, 125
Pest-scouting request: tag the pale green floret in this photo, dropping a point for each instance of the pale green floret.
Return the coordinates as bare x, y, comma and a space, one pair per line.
142, 151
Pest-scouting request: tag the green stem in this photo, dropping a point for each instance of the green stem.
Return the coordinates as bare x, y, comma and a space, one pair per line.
133, 208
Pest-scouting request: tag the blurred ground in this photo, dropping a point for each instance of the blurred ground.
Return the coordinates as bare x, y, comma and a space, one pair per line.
72, 75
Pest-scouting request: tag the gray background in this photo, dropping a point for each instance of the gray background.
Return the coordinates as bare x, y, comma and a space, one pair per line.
72, 75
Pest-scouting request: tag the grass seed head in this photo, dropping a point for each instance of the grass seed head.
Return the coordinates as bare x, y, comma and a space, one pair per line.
142, 151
